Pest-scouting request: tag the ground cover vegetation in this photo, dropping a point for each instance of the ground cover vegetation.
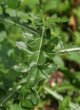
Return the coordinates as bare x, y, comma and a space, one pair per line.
39, 54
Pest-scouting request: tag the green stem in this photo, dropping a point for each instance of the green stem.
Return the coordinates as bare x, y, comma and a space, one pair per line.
60, 98
19, 25
10, 95
53, 93
42, 36
68, 50
14, 90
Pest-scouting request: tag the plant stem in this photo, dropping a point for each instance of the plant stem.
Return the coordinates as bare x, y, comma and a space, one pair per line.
42, 36
68, 50
53, 93
14, 90
10, 95
19, 25
60, 98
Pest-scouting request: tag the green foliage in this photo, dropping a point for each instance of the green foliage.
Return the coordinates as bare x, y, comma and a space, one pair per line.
65, 104
30, 36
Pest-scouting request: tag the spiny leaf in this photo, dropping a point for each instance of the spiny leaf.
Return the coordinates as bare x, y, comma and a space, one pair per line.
55, 19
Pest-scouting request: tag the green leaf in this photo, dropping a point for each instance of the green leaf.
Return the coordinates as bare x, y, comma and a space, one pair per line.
71, 78
12, 4
21, 68
74, 57
50, 45
34, 97
18, 24
31, 100
59, 97
22, 46
34, 71
26, 103
15, 107
31, 77
65, 104
55, 19
2, 36
34, 44
58, 61
42, 58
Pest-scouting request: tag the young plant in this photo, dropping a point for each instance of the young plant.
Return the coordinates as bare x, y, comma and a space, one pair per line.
39, 43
